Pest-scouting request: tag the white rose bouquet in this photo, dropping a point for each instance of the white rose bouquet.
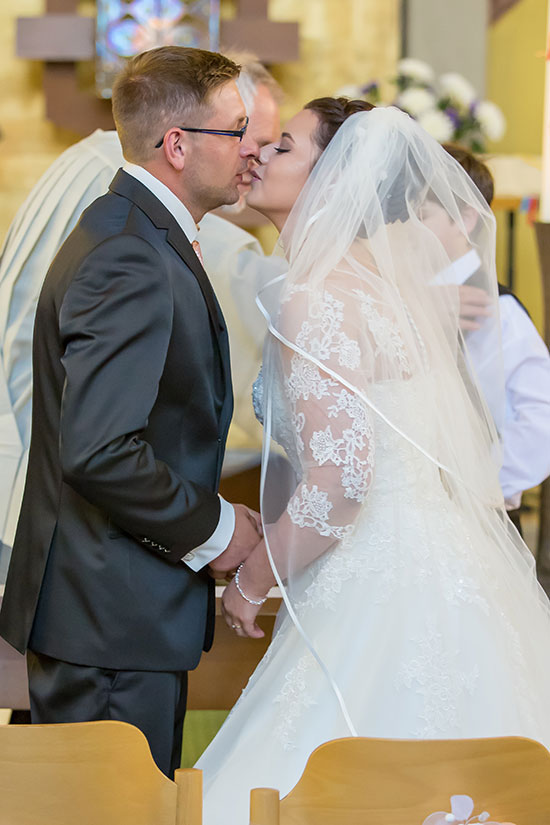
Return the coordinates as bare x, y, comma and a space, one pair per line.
448, 107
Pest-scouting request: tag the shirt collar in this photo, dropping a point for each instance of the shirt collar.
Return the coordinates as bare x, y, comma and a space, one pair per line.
166, 197
460, 270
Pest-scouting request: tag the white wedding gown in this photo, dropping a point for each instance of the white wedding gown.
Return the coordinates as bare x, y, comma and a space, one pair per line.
428, 629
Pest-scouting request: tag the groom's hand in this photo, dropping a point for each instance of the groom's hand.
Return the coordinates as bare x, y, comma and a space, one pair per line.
475, 306
247, 533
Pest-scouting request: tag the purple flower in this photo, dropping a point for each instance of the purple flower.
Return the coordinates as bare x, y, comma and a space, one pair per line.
370, 87
453, 116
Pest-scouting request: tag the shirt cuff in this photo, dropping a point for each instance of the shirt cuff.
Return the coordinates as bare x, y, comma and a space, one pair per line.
218, 541
513, 502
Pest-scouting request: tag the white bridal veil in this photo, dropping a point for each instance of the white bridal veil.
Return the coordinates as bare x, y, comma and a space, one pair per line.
365, 355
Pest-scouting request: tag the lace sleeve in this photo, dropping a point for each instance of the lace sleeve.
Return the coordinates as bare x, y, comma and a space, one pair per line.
334, 436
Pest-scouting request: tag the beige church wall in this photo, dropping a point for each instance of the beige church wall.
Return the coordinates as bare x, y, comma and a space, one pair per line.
341, 41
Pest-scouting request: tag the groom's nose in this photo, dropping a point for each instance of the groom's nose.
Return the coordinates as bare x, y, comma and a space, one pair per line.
249, 147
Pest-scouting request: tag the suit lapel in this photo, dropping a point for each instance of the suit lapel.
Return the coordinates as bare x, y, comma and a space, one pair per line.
178, 240
131, 188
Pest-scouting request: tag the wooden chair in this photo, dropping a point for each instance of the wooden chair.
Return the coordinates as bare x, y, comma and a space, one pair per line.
400, 782
92, 773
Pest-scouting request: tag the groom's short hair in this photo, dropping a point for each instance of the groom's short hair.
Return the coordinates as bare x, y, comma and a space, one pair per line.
475, 168
162, 88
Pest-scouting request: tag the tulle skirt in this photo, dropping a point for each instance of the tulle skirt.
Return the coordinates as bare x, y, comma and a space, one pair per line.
429, 629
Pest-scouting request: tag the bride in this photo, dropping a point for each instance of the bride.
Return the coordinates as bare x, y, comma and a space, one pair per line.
411, 608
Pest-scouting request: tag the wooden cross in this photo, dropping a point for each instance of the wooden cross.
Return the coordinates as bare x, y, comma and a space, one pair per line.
62, 38
253, 31
499, 7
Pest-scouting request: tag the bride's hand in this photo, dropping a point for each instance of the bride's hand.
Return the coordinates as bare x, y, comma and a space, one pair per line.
239, 614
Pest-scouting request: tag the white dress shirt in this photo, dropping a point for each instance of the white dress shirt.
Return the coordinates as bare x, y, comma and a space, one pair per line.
220, 538
525, 431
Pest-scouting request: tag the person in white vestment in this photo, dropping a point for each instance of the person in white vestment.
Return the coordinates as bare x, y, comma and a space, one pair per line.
411, 606
232, 256
49, 214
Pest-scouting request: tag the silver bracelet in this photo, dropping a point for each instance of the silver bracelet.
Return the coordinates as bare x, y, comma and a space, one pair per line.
241, 591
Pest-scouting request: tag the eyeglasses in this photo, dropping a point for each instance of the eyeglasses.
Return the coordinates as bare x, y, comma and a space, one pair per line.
240, 133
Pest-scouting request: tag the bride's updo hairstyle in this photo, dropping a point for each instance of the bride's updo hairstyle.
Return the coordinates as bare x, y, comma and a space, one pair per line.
331, 113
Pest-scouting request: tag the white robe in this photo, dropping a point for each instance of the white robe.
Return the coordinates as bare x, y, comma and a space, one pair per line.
80, 175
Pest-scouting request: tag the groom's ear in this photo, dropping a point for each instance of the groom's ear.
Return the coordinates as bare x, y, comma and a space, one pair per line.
174, 149
470, 217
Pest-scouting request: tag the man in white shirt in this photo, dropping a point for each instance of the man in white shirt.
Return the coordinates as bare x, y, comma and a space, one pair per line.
233, 259
525, 429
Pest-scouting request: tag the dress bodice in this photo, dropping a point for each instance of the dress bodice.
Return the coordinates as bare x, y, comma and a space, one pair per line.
398, 457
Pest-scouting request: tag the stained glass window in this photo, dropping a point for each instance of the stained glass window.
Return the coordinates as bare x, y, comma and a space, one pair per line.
127, 27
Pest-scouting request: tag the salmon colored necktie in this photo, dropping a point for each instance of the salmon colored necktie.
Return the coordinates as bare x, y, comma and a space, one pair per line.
196, 246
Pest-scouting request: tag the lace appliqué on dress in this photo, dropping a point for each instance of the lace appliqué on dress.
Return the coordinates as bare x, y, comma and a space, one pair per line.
374, 558
292, 700
322, 337
311, 508
349, 450
437, 676
385, 333
305, 380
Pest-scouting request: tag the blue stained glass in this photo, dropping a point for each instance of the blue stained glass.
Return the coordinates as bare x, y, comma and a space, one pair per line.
169, 10
127, 27
124, 38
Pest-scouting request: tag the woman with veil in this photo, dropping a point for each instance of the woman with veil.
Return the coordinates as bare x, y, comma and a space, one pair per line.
411, 607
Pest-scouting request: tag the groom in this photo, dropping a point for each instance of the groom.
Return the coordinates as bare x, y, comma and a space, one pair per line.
109, 586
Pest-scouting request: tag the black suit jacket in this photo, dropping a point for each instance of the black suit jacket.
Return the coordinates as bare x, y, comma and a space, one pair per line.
132, 402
